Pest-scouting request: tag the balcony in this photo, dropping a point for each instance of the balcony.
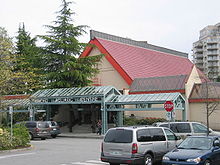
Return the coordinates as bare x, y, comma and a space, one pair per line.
214, 58
212, 64
198, 45
212, 46
213, 40
213, 52
198, 50
198, 61
197, 56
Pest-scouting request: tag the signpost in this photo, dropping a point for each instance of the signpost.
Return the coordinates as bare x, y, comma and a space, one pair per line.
11, 113
168, 106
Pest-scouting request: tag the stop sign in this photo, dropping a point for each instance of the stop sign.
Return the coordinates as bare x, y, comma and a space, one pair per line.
168, 106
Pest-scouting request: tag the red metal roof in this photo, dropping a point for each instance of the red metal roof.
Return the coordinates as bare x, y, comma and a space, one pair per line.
137, 62
161, 84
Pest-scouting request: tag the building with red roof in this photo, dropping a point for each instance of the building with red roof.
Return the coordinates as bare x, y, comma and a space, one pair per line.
137, 67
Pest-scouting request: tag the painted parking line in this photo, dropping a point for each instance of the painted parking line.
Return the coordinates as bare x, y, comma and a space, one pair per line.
89, 162
96, 161
16, 155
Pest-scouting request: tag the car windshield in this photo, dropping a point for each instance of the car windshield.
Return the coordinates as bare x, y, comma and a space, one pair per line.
199, 143
43, 125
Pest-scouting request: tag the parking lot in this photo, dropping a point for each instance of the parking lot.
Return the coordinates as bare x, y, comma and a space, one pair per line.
59, 151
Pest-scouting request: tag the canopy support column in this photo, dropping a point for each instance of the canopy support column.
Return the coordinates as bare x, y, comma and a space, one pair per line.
48, 117
120, 118
31, 113
104, 117
184, 118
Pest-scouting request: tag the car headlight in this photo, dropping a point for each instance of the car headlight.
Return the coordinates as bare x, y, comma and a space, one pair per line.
166, 158
196, 160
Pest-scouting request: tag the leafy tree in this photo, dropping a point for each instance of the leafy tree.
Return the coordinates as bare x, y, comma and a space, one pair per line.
6, 61
209, 91
62, 67
27, 65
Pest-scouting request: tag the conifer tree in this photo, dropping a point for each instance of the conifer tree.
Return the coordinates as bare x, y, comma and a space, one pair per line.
62, 66
27, 66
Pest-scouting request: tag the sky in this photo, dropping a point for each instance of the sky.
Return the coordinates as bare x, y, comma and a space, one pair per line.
174, 24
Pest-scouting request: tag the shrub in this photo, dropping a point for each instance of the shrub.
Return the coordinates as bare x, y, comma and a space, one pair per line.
19, 139
21, 136
146, 121
5, 141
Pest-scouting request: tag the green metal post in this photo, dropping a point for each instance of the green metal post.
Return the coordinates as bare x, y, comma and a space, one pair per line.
104, 117
120, 118
48, 117
184, 112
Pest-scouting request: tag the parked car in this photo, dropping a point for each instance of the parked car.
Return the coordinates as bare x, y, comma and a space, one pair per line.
38, 129
199, 150
137, 145
185, 129
54, 128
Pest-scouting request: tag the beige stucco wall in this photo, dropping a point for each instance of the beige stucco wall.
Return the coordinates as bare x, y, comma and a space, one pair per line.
192, 79
198, 113
108, 74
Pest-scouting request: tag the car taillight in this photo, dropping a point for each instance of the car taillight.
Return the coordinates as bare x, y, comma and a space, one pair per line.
134, 148
102, 147
37, 129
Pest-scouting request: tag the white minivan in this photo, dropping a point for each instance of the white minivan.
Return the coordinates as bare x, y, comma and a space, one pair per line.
137, 145
185, 129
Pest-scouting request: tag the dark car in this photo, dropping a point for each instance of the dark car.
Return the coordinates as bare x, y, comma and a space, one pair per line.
54, 128
198, 150
38, 129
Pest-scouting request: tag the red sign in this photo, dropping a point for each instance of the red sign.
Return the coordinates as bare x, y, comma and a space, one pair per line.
168, 106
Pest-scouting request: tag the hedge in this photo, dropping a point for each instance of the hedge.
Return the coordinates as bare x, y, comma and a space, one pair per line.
145, 121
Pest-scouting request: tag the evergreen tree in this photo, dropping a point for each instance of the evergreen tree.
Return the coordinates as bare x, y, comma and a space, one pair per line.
62, 67
27, 65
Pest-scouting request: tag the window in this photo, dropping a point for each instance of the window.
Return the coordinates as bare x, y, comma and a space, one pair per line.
119, 136
180, 127
170, 135
43, 125
143, 135
157, 134
199, 128
30, 125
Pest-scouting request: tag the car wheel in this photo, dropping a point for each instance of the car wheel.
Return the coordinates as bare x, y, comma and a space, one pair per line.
31, 136
148, 160
53, 136
207, 162
43, 138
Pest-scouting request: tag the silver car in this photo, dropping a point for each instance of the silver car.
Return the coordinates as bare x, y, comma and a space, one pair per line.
187, 128
137, 145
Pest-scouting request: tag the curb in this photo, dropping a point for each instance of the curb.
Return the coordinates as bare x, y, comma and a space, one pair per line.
14, 150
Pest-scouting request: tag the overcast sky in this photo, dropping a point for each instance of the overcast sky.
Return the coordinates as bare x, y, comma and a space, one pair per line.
173, 24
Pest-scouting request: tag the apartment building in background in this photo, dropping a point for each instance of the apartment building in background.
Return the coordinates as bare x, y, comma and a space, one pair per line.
206, 51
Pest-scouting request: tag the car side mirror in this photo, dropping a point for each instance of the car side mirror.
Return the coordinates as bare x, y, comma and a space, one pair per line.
178, 137
216, 143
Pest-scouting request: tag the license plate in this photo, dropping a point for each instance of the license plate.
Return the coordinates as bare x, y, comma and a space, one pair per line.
115, 153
